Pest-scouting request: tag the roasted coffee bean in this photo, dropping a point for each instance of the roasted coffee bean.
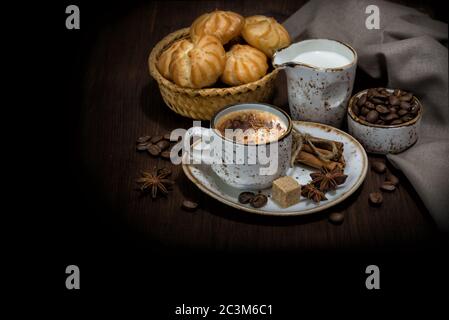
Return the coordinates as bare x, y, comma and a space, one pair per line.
376, 100
390, 117
167, 136
259, 200
378, 94
371, 92
163, 144
379, 166
390, 178
370, 105
388, 187
246, 197
143, 139
406, 97
372, 116
142, 146
364, 111
361, 100
165, 154
189, 205
393, 100
393, 110
375, 198
382, 109
336, 217
154, 150
156, 139
407, 118
405, 105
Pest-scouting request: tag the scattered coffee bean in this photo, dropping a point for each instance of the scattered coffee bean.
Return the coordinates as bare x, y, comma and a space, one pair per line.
163, 144
189, 205
336, 217
390, 178
246, 197
379, 167
166, 154
259, 200
143, 139
154, 150
392, 108
167, 136
372, 116
375, 198
156, 139
142, 146
387, 187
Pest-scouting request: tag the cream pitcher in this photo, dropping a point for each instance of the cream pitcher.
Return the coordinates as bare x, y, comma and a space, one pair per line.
320, 76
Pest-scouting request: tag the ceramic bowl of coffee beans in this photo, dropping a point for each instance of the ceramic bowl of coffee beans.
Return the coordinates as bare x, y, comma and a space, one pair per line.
384, 120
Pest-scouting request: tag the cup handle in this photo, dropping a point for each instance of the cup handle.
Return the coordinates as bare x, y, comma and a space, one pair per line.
199, 151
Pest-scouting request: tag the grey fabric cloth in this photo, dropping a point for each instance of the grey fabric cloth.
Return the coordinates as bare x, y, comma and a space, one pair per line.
408, 50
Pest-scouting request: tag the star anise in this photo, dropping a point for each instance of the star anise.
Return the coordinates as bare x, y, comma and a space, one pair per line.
327, 180
311, 192
155, 182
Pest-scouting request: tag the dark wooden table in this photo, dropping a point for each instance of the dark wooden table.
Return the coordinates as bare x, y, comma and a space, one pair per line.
122, 102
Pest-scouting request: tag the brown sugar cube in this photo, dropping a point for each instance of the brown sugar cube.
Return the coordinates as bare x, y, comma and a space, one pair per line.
286, 191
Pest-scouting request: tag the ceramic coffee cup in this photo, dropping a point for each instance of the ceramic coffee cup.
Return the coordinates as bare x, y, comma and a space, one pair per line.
320, 77
243, 166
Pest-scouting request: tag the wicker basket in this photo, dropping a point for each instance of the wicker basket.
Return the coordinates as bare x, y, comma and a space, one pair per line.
203, 103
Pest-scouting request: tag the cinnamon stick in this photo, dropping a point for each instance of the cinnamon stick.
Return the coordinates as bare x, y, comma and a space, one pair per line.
324, 152
315, 162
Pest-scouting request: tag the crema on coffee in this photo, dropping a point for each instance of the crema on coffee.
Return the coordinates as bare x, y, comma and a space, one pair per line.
251, 126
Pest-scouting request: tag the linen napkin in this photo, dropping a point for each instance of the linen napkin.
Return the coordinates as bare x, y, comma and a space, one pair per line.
409, 50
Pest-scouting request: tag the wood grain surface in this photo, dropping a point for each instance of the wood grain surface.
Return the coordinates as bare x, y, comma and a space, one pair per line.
122, 102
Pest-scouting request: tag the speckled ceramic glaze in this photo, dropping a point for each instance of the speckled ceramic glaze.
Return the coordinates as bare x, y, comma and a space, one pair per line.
315, 93
384, 139
235, 169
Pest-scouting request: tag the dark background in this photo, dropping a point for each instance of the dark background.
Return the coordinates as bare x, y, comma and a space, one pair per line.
156, 255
